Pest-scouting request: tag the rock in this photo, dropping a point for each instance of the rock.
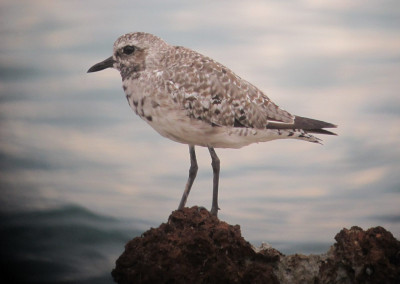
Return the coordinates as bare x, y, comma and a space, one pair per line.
196, 247
299, 268
193, 247
359, 256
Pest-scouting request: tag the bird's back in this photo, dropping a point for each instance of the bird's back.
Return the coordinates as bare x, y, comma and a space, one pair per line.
211, 92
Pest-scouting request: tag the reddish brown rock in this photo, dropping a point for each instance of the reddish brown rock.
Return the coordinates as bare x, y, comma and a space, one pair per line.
195, 247
359, 256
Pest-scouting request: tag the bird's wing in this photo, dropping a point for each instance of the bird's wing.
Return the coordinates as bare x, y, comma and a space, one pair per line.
209, 91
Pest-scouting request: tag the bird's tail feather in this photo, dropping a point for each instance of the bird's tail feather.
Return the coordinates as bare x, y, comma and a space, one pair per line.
308, 125
313, 125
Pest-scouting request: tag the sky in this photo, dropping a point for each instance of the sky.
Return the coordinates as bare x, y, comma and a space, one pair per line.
70, 138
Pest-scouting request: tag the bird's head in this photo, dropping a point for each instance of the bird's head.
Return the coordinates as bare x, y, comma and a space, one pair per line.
134, 52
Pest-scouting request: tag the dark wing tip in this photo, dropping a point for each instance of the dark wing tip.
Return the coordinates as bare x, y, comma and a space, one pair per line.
313, 125
321, 131
307, 124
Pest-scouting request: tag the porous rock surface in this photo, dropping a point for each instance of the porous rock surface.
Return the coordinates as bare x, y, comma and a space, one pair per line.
196, 247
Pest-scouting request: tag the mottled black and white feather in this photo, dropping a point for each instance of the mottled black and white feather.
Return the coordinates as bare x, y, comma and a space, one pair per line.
192, 99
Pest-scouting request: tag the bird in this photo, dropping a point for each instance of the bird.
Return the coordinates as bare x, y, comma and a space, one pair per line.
192, 99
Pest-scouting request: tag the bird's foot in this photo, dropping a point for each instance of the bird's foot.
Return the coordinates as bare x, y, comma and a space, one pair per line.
214, 211
199, 208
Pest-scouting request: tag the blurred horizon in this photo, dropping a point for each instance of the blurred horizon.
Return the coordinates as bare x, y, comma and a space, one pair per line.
68, 139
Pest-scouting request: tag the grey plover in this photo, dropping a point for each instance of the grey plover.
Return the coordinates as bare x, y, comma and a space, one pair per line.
192, 99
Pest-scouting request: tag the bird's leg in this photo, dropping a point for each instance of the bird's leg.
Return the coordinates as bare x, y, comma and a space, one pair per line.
215, 165
192, 175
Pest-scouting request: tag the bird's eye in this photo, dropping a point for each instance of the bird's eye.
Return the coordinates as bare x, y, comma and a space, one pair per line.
129, 49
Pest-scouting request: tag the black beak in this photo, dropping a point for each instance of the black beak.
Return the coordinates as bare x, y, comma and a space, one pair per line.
108, 63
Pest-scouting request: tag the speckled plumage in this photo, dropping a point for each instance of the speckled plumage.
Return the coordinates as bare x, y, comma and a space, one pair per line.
192, 99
